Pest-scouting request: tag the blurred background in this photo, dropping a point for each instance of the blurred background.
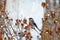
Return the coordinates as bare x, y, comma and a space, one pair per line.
25, 9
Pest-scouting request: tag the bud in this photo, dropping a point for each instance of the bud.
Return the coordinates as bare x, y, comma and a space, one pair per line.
6, 17
18, 21
10, 38
41, 32
46, 18
55, 21
43, 4
53, 14
15, 32
5, 38
59, 28
26, 27
22, 24
25, 21
27, 35
49, 31
11, 19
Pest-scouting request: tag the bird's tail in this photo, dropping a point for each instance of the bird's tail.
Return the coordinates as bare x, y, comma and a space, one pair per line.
37, 27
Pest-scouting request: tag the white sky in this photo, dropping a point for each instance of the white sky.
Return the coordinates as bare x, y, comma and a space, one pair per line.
26, 9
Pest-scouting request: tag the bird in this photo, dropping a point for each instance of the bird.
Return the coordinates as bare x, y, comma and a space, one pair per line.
33, 23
